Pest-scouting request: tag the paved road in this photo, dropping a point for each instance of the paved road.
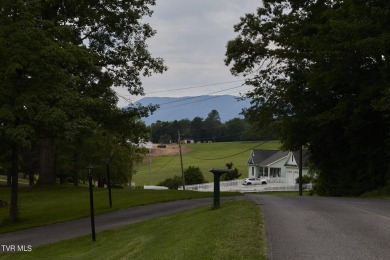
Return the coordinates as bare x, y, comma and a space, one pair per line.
70, 229
326, 228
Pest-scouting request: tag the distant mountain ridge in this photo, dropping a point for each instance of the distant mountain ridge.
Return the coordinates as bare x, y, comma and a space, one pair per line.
172, 108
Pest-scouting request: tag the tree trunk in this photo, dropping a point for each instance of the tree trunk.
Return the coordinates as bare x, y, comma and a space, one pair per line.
9, 176
101, 182
31, 179
47, 175
28, 170
76, 168
13, 211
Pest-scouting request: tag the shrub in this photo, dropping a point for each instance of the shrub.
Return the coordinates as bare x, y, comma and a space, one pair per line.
232, 175
305, 179
193, 175
172, 183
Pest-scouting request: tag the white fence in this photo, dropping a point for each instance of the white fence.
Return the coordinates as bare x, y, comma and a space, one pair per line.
237, 186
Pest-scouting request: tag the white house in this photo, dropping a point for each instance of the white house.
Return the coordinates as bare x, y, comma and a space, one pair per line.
277, 166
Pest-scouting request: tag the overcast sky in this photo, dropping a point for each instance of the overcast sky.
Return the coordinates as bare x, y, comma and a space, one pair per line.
191, 38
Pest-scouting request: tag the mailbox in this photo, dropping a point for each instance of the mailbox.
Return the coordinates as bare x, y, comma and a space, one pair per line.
217, 174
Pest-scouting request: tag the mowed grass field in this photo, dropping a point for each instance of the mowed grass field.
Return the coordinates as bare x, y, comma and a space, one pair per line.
205, 156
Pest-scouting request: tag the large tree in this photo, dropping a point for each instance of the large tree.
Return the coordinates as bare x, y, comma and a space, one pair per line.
320, 70
59, 60
213, 124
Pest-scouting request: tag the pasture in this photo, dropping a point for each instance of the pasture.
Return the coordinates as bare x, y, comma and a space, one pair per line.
165, 164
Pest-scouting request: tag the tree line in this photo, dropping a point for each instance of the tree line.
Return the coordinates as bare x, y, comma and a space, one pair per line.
320, 72
210, 129
58, 63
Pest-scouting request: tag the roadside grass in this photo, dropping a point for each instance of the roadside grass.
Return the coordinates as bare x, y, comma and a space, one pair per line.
43, 206
285, 193
205, 156
383, 193
235, 231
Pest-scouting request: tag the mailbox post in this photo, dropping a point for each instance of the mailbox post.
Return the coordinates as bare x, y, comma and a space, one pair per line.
217, 174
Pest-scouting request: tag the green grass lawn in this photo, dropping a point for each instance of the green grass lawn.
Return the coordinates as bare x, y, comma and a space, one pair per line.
205, 156
42, 206
235, 231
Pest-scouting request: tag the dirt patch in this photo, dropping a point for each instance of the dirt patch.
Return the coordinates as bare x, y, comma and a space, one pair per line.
171, 149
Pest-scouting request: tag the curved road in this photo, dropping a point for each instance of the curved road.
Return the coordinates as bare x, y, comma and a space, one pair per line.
326, 228
296, 227
80, 227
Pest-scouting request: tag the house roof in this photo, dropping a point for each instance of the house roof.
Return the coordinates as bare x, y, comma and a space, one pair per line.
305, 157
275, 157
266, 157
258, 156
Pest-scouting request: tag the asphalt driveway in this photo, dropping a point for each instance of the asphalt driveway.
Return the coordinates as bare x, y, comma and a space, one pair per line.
326, 228
52, 233
296, 227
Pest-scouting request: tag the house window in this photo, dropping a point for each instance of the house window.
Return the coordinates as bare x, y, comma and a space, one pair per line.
275, 172
253, 171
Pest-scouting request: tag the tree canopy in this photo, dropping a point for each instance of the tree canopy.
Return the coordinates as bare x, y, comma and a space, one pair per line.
320, 72
59, 60
203, 130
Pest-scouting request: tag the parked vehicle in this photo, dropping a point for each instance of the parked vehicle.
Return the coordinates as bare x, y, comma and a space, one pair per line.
254, 181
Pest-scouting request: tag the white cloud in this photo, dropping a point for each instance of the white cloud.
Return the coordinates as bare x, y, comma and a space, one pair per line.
191, 38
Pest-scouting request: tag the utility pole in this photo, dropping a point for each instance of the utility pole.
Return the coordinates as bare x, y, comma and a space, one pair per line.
300, 170
150, 162
181, 162
108, 181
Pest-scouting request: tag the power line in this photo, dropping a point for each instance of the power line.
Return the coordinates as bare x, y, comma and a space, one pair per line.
212, 159
197, 101
166, 163
200, 86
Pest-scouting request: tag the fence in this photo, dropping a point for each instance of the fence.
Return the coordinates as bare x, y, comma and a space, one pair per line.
237, 186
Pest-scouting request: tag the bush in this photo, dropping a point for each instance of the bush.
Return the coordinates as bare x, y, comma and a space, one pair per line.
232, 175
193, 175
172, 183
305, 179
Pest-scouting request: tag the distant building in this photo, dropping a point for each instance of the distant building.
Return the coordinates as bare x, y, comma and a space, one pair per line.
188, 141
277, 166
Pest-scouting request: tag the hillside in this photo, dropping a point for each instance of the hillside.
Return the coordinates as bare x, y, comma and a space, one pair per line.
166, 164
172, 109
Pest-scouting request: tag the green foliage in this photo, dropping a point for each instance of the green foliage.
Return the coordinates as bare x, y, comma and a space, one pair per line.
305, 179
321, 79
58, 64
172, 183
232, 175
379, 193
203, 130
193, 175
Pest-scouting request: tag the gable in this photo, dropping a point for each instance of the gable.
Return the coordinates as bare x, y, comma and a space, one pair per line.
293, 158
250, 160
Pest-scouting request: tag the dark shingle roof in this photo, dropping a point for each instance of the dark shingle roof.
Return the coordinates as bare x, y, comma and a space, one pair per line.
259, 156
265, 157
275, 157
